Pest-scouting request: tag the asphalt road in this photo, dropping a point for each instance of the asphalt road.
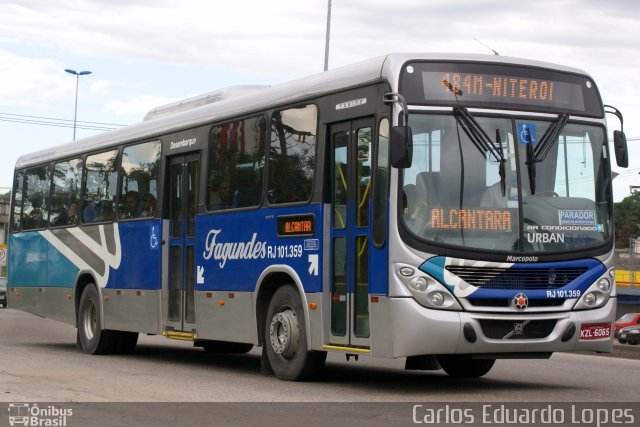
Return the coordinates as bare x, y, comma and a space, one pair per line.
40, 363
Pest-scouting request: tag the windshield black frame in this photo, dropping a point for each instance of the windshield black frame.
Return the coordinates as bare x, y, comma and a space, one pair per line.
454, 250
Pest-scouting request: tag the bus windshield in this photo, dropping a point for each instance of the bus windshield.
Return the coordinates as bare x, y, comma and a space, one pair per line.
457, 194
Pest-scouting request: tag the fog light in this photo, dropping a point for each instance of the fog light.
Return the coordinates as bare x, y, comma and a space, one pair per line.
406, 271
590, 299
420, 284
604, 285
612, 273
436, 298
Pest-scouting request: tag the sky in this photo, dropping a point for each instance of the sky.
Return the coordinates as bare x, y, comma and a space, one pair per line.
146, 53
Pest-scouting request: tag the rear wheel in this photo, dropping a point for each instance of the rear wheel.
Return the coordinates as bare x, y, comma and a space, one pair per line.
460, 366
285, 338
92, 337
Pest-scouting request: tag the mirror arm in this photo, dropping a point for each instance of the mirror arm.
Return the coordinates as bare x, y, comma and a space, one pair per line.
396, 98
616, 113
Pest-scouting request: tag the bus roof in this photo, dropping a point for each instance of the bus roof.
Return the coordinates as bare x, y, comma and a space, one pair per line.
198, 111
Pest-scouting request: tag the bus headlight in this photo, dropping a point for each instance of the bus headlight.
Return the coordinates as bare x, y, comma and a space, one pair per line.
604, 285
426, 290
590, 299
596, 296
420, 284
436, 298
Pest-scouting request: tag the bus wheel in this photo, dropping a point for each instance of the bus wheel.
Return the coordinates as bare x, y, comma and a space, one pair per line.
459, 366
125, 342
286, 340
93, 339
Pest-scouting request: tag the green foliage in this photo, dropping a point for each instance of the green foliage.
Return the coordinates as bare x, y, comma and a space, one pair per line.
627, 219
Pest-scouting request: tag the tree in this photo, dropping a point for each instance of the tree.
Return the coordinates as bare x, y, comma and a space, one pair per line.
627, 219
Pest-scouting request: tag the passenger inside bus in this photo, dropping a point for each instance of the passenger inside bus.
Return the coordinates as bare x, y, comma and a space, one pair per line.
223, 198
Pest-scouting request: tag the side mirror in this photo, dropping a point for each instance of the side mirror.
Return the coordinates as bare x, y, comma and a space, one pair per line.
401, 146
620, 147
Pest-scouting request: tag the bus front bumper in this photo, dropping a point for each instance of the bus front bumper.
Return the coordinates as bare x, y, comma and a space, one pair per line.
417, 330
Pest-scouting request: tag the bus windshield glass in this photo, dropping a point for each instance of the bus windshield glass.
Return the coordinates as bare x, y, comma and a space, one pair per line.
454, 194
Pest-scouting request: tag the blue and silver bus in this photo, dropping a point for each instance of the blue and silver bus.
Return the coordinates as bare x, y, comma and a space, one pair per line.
447, 209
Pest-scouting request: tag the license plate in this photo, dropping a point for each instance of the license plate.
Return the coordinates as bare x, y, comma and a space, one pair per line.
595, 331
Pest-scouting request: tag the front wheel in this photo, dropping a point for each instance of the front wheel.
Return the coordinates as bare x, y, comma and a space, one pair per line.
459, 366
92, 337
285, 338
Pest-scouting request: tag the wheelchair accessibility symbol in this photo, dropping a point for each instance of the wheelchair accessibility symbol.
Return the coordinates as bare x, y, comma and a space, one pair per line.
153, 239
527, 133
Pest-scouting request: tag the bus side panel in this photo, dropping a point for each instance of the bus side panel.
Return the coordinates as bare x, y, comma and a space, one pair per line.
226, 316
140, 265
133, 292
28, 260
232, 250
36, 285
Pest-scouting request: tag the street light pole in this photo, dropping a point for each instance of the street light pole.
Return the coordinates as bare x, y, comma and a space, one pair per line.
326, 43
75, 114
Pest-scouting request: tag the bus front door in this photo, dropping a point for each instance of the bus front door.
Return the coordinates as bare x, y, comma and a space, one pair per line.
183, 190
351, 155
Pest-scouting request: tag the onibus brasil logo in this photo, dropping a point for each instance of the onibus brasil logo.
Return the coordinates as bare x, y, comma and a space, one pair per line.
25, 414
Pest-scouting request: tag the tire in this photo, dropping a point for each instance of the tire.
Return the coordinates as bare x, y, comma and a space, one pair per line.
224, 347
92, 337
285, 338
458, 366
125, 342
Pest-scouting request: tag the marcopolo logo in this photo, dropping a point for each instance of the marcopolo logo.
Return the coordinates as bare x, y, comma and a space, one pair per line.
25, 414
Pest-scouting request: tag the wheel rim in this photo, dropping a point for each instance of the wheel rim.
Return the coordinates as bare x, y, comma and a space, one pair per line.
89, 320
284, 333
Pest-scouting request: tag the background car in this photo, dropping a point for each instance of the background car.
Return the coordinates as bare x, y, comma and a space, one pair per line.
629, 319
629, 335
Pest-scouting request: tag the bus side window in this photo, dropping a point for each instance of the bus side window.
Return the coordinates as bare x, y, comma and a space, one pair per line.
66, 192
139, 171
100, 187
236, 164
292, 155
35, 212
17, 202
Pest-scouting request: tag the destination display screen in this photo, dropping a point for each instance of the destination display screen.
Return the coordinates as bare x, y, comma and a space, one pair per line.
296, 225
499, 220
500, 86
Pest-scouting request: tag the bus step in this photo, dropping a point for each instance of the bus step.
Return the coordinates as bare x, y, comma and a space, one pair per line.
179, 335
347, 349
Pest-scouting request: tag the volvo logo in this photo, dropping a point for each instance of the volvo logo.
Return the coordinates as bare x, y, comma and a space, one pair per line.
520, 301
518, 330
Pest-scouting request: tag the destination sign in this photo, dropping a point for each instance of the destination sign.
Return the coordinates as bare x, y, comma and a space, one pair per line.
471, 219
296, 225
490, 87
505, 86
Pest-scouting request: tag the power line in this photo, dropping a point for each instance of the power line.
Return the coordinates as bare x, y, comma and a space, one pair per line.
56, 122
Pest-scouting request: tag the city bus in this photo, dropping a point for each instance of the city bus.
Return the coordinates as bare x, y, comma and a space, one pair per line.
447, 209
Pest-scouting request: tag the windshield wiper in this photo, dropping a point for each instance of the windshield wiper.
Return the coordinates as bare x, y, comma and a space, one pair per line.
481, 140
539, 153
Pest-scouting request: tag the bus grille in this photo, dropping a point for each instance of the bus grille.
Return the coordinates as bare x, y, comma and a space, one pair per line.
505, 302
516, 278
517, 330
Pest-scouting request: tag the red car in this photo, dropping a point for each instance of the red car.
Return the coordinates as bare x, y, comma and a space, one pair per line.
629, 319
